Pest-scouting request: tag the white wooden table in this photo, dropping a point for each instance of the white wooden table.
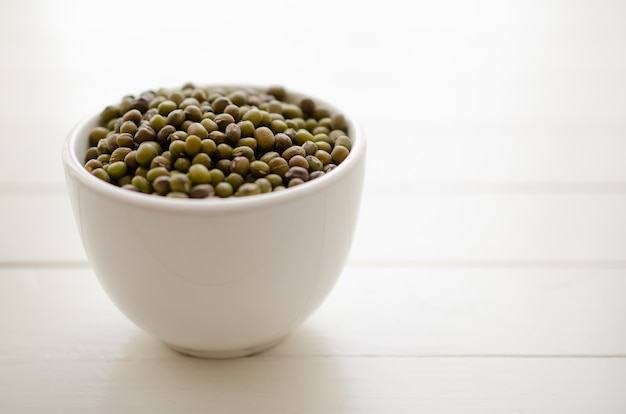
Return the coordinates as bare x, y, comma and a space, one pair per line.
489, 270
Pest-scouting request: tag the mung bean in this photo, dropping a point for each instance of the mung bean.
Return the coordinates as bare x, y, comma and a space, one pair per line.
202, 142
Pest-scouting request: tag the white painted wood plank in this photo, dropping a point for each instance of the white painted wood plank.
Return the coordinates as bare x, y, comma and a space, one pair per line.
462, 311
431, 228
39, 229
65, 349
315, 385
506, 227
500, 157
63, 314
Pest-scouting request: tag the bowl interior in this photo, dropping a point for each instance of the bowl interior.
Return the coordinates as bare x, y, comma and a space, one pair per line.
76, 146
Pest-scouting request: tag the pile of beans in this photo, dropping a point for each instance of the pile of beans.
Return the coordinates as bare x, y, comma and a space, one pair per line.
198, 142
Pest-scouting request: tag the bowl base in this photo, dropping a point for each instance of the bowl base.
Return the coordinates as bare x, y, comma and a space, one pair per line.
226, 354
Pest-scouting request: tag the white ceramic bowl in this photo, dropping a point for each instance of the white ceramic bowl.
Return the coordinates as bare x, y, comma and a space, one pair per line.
217, 278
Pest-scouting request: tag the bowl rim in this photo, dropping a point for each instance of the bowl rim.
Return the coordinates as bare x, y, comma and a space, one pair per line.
74, 167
